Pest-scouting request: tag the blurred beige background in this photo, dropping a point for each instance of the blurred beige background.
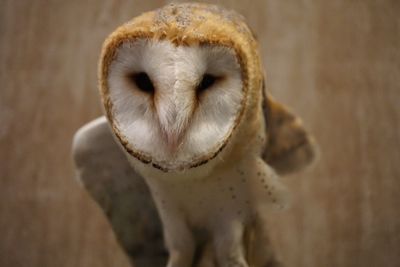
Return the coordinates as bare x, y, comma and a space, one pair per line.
336, 63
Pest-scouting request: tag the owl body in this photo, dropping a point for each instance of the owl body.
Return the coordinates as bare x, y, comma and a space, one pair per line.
183, 91
231, 194
218, 209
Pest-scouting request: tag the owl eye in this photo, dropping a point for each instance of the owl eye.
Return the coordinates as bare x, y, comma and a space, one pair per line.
142, 81
207, 81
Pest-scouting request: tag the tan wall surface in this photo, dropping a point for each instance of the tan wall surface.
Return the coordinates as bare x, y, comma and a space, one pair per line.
336, 63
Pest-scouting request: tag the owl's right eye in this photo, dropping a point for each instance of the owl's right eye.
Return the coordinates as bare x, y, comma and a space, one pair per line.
142, 82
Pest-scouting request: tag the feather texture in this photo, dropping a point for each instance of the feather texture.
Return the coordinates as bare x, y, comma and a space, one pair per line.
182, 89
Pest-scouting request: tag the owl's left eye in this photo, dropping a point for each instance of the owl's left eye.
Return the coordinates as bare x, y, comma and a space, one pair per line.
206, 82
142, 81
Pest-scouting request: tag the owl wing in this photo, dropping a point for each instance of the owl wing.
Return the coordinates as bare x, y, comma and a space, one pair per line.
122, 194
289, 147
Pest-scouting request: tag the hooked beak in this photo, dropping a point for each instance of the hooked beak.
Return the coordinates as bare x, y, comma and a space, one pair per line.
174, 112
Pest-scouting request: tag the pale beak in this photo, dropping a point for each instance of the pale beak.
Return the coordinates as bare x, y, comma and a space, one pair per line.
175, 111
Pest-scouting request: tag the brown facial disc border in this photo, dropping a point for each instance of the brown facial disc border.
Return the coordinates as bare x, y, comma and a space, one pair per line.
108, 54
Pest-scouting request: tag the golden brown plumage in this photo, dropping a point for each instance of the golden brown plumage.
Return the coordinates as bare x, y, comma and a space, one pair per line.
189, 25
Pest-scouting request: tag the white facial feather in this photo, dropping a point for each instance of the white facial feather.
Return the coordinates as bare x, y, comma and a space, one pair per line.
177, 124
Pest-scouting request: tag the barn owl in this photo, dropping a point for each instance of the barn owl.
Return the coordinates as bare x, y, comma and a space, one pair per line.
187, 110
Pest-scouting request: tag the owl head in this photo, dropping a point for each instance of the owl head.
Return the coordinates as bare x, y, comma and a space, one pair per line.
182, 86
176, 83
